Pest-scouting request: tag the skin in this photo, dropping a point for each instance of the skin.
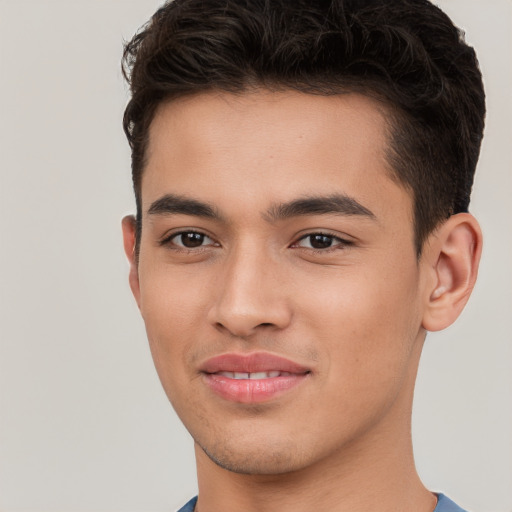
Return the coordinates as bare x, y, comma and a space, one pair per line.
355, 313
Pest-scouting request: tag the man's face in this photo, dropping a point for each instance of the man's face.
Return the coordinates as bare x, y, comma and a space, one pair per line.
278, 278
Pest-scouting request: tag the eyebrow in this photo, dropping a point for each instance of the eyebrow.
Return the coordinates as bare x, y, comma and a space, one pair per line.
335, 204
176, 204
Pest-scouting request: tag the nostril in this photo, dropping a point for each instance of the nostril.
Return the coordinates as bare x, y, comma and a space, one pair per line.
244, 318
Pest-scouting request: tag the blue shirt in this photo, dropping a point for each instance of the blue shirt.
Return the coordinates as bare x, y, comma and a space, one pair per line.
444, 504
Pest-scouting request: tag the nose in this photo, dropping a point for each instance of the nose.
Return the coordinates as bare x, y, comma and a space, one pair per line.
250, 295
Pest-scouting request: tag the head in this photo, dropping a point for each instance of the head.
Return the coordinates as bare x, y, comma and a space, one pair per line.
302, 172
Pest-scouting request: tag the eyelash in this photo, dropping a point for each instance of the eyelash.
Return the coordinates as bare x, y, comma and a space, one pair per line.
340, 243
168, 241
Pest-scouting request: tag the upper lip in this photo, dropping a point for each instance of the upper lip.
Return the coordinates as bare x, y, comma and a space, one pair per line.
251, 363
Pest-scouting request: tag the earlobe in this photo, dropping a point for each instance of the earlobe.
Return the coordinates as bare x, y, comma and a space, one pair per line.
453, 258
129, 226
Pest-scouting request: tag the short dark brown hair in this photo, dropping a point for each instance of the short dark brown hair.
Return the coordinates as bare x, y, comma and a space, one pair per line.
406, 53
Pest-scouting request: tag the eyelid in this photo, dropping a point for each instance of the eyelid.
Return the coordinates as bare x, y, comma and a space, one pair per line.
167, 238
342, 243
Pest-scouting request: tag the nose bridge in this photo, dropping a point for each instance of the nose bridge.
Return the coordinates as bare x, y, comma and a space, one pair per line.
249, 294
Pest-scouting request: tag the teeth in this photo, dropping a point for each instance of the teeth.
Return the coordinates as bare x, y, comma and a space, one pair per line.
259, 375
255, 375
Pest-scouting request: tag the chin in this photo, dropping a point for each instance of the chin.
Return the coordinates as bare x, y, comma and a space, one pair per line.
259, 460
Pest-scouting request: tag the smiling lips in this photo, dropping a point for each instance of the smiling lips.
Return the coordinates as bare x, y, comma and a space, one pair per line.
253, 378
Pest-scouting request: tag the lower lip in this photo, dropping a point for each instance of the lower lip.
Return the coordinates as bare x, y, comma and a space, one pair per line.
250, 391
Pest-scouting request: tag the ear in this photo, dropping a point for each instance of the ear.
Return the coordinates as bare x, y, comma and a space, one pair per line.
452, 257
129, 226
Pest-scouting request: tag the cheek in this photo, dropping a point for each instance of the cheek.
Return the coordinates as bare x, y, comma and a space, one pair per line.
367, 321
368, 338
171, 299
172, 305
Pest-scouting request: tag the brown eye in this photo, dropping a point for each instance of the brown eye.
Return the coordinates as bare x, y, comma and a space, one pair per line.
191, 239
320, 241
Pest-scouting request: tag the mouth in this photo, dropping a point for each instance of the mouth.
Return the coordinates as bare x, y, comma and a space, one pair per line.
253, 378
254, 375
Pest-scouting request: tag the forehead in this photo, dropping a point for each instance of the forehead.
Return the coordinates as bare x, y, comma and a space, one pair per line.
261, 117
268, 146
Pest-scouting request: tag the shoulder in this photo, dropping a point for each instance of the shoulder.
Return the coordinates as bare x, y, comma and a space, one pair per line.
445, 504
189, 507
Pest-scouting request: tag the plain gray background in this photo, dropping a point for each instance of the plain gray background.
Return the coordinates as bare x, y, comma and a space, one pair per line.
84, 424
